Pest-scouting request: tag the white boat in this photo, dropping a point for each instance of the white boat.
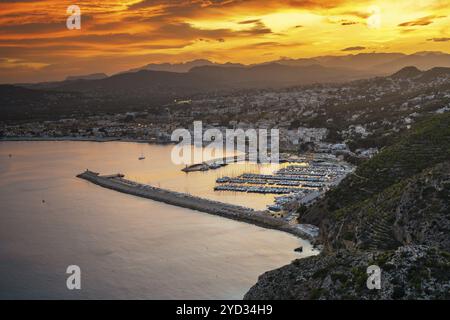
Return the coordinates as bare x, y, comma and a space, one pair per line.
141, 157
214, 165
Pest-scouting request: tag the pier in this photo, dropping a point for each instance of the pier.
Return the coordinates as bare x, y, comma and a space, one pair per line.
118, 183
220, 162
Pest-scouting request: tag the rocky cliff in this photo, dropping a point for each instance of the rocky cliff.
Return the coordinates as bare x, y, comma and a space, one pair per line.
394, 212
408, 272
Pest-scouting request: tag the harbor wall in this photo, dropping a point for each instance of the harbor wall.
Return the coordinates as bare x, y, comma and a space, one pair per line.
239, 213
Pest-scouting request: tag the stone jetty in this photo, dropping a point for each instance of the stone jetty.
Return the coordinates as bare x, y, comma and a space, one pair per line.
118, 183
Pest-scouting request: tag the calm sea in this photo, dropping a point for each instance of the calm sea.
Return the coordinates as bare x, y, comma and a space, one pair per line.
127, 247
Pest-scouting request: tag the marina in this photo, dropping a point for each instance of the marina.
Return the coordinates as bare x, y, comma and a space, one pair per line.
299, 183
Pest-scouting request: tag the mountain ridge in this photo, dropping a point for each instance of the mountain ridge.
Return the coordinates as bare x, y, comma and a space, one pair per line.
206, 78
381, 63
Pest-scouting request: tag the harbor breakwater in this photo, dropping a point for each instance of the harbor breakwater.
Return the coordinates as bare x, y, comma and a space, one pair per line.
118, 183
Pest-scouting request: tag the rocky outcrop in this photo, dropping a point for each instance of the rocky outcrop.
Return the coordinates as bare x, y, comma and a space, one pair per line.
409, 272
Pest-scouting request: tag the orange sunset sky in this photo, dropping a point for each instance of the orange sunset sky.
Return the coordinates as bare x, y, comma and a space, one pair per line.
35, 44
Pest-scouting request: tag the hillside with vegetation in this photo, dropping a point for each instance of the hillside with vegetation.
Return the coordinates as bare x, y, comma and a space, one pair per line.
424, 146
394, 212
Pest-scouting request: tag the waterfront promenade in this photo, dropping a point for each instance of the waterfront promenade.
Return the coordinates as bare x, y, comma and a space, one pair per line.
118, 183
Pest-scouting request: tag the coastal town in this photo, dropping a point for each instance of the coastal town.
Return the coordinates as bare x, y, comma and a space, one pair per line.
325, 130
331, 118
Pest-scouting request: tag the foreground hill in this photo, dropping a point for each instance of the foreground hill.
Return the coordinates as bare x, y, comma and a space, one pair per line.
409, 272
394, 211
426, 145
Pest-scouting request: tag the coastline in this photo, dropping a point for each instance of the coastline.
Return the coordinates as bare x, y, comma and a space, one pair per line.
234, 212
258, 218
81, 139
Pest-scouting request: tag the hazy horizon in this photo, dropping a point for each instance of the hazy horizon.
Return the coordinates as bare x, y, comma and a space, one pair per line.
187, 62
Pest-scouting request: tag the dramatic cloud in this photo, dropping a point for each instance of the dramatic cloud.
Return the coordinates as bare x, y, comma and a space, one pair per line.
249, 21
348, 23
439, 39
124, 34
424, 21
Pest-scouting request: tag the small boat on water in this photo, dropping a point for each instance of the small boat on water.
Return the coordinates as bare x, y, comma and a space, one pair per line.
215, 165
141, 157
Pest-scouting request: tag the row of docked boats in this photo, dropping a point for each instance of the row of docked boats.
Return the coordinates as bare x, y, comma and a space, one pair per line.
317, 169
299, 183
284, 176
255, 189
302, 184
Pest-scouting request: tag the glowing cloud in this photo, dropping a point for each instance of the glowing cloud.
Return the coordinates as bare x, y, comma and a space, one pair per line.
118, 35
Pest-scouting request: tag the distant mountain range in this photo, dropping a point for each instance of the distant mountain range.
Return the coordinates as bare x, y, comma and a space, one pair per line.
367, 63
207, 78
93, 76
182, 67
203, 75
379, 63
